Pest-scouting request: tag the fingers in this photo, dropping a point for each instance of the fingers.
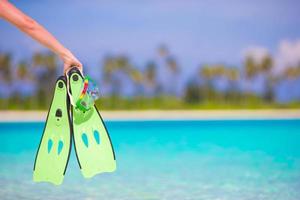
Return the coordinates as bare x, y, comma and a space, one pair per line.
66, 69
69, 65
70, 61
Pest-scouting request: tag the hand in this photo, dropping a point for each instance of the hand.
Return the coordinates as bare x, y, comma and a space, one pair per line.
70, 61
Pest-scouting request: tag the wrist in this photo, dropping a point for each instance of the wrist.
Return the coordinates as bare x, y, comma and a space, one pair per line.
65, 54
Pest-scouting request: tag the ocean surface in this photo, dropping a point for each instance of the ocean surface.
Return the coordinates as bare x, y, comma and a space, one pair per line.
169, 160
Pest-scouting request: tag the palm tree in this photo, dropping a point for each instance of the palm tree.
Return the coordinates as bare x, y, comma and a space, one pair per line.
109, 68
251, 68
138, 79
22, 70
163, 50
266, 66
5, 75
21, 75
6, 67
173, 68
150, 74
232, 74
193, 92
207, 73
210, 72
291, 72
46, 64
121, 64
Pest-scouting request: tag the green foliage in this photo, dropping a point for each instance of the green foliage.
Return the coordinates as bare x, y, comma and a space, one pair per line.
6, 67
193, 93
159, 103
149, 92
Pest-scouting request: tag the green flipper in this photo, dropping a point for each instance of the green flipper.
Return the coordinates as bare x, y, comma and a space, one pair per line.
54, 150
93, 147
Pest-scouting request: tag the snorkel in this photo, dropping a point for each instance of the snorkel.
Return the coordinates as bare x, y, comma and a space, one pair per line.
88, 95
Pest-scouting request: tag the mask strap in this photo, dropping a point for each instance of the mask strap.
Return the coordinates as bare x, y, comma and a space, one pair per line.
68, 86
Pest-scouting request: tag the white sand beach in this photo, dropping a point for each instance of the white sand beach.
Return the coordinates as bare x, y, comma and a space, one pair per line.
27, 116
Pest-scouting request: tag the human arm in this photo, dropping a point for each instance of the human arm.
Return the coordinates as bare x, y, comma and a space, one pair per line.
29, 26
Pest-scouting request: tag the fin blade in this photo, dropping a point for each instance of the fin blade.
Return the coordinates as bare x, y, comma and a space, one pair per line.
95, 157
50, 164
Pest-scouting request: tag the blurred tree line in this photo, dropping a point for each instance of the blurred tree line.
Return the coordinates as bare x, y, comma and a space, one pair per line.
29, 84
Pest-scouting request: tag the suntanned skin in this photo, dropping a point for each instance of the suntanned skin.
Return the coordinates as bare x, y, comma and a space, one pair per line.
29, 26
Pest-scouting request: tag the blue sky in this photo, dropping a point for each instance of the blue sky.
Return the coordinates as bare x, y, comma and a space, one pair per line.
196, 31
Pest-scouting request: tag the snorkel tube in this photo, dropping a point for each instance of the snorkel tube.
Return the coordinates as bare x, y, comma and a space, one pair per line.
88, 95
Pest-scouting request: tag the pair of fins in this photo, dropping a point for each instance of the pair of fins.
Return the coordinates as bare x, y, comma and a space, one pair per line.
93, 147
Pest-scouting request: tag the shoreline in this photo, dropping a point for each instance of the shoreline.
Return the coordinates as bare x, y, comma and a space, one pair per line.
140, 115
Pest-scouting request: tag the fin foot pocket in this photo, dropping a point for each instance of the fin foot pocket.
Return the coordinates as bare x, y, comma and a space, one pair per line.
58, 113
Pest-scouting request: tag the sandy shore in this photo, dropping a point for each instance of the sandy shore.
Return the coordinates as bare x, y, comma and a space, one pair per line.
14, 116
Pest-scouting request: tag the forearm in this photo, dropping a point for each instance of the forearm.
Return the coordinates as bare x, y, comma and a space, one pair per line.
40, 34
31, 28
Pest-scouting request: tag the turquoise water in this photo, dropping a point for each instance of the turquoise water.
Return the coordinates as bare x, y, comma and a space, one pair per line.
192, 160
